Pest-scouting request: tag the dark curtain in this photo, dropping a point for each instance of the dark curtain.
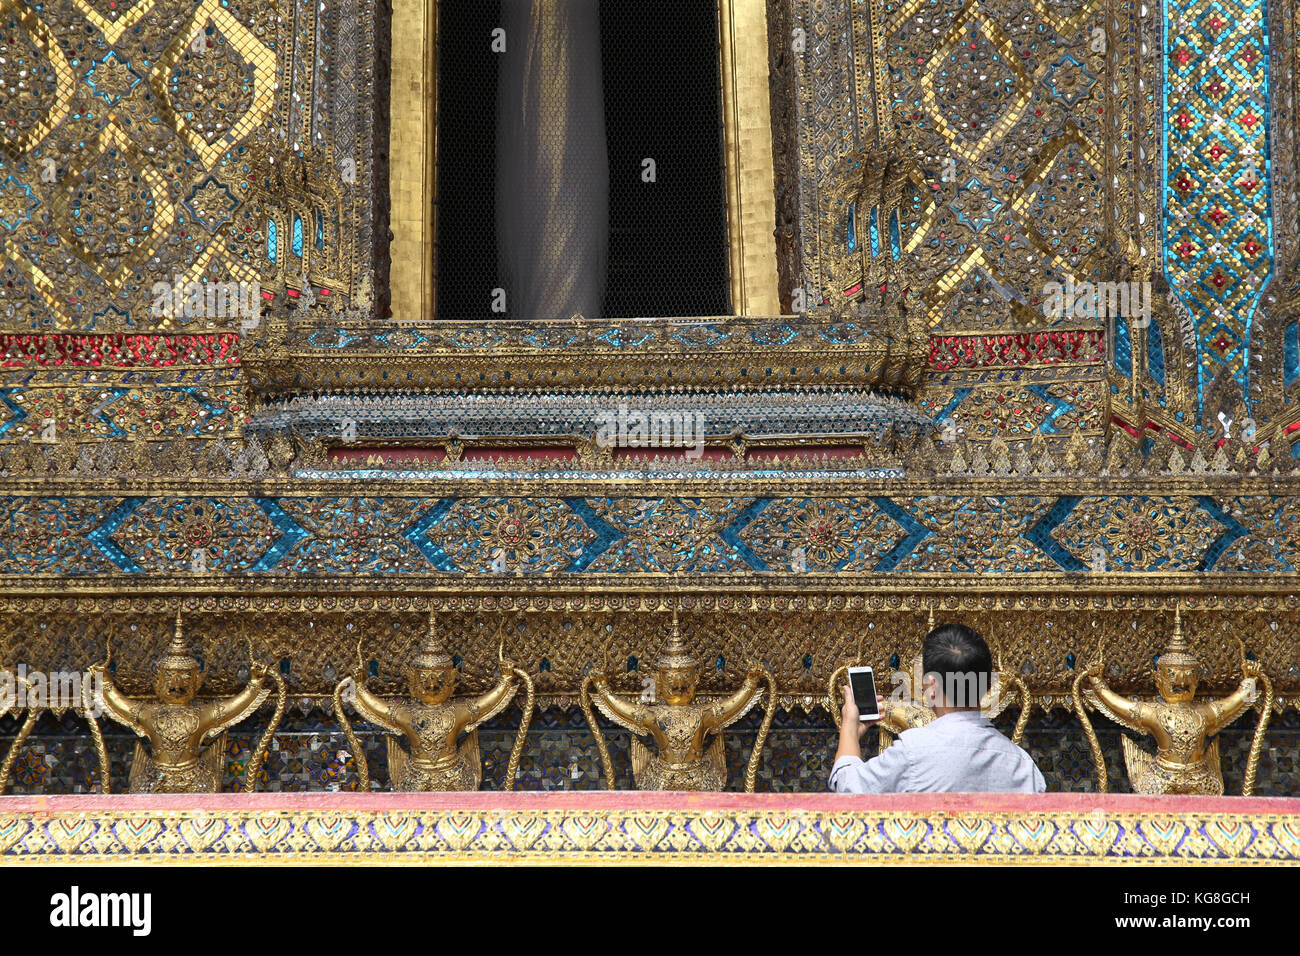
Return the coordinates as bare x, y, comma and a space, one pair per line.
552, 184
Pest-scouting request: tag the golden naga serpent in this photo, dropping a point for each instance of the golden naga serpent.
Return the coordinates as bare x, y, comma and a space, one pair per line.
530, 700
254, 766
1094, 745
1076, 695
517, 751
1256, 744
358, 755
96, 734
832, 685
101, 751
7, 768
584, 700
769, 711
1022, 691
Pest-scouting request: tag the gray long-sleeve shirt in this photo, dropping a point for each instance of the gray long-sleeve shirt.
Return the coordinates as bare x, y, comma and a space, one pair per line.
960, 752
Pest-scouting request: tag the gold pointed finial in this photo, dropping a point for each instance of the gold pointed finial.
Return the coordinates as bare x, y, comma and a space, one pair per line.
675, 654
177, 657
431, 655
1179, 651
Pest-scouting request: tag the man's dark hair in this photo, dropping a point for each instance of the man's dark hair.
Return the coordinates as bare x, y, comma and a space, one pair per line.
961, 663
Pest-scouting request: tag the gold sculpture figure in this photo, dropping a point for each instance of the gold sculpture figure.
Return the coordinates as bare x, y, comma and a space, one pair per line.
431, 722
186, 739
1187, 751
910, 710
678, 724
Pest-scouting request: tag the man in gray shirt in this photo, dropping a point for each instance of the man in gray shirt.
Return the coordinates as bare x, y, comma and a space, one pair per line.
960, 751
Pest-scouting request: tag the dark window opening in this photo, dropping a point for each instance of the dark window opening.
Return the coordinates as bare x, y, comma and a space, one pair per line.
667, 240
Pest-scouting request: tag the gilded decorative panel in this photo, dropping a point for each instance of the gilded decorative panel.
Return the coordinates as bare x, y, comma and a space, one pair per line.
138, 148
767, 829
295, 538
193, 215
988, 116
963, 160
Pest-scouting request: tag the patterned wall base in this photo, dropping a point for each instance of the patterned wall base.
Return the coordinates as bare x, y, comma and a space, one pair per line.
618, 827
311, 754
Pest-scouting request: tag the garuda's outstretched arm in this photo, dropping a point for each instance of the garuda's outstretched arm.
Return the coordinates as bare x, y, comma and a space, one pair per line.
223, 714
392, 716
633, 716
1223, 711
488, 705
121, 708
1128, 713
737, 705
896, 716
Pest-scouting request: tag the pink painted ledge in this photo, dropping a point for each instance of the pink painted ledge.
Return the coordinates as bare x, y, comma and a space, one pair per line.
1066, 803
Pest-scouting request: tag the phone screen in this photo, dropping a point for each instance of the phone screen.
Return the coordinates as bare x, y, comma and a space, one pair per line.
863, 683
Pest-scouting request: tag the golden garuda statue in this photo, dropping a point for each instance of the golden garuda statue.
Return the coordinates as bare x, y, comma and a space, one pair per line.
187, 739
431, 721
678, 724
1187, 752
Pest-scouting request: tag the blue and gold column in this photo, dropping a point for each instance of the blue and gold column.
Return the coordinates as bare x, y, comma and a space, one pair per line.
1218, 236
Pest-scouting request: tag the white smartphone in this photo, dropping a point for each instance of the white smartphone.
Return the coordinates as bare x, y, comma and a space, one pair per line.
862, 681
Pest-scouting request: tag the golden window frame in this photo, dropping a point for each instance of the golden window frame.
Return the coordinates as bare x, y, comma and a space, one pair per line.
747, 142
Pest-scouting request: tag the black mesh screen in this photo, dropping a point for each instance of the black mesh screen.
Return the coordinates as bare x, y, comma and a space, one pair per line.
667, 253
667, 243
465, 257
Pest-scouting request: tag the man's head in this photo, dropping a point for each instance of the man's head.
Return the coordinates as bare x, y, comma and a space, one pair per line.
958, 667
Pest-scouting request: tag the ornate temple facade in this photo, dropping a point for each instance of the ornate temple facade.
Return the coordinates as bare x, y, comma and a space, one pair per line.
1008, 336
